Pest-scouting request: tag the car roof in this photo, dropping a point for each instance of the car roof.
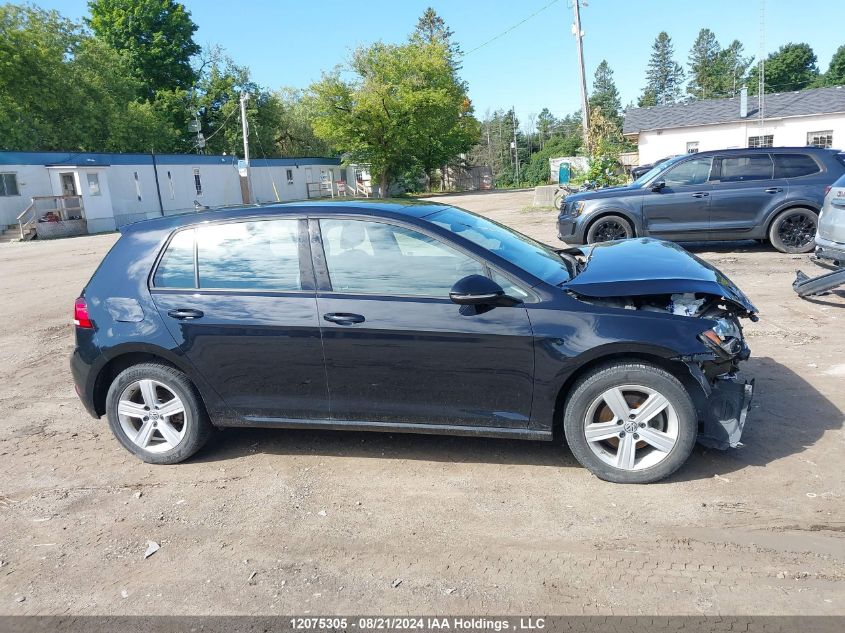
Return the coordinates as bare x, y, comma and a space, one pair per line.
766, 150
382, 208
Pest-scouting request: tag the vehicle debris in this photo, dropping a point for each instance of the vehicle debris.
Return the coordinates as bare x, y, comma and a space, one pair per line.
813, 286
152, 548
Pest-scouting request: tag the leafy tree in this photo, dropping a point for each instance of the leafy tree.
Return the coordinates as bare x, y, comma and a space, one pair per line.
157, 37
835, 75
605, 94
733, 67
704, 66
664, 76
791, 67
605, 141
405, 109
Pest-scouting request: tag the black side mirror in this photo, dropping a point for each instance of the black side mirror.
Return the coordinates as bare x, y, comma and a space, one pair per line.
658, 185
475, 290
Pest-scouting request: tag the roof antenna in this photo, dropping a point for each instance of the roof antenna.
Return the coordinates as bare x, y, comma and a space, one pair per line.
761, 75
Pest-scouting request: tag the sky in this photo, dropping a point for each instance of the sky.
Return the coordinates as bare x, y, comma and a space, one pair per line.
531, 66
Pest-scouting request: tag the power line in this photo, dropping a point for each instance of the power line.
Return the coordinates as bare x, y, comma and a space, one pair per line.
508, 30
222, 125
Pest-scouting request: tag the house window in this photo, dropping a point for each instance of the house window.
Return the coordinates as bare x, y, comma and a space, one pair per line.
766, 140
197, 182
820, 139
692, 147
94, 184
137, 186
9, 184
170, 185
289, 174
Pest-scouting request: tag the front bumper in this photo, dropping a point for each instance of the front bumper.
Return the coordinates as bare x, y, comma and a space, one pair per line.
725, 413
569, 229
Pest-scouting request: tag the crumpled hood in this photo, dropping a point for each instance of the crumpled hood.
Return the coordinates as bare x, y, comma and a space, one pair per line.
645, 266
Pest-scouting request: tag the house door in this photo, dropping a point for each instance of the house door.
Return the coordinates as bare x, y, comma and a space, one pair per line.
68, 185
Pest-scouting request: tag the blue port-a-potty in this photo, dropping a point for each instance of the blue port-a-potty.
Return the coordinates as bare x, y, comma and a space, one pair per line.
563, 173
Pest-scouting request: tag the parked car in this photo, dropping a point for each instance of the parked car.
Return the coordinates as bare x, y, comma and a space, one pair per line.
638, 171
770, 194
409, 317
830, 239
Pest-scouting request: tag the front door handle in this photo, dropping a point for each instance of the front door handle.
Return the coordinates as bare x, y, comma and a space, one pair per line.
186, 314
773, 190
344, 318
700, 194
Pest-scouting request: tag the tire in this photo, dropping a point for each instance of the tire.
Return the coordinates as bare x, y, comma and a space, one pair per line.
673, 428
174, 428
793, 231
609, 227
559, 199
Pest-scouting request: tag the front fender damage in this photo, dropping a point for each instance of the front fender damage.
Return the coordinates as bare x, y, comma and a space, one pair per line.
723, 409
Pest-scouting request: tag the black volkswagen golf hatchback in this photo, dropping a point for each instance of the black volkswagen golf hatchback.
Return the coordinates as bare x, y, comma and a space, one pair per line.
409, 317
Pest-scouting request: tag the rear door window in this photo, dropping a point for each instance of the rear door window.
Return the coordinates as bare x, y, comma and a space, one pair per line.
260, 255
690, 172
745, 168
794, 165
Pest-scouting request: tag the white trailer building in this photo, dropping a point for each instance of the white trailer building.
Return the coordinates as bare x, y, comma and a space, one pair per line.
77, 193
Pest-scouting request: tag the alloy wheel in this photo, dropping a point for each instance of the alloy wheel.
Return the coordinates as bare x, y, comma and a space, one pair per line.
797, 230
609, 230
631, 427
152, 416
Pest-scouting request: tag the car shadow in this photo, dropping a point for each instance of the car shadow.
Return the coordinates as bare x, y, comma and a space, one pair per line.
741, 246
787, 415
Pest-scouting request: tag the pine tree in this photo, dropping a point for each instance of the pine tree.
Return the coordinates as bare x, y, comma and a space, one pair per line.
733, 70
664, 76
704, 67
605, 94
432, 29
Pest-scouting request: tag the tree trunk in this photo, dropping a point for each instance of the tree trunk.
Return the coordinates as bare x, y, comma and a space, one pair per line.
383, 184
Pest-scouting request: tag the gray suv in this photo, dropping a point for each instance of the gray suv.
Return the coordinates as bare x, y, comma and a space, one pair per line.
734, 194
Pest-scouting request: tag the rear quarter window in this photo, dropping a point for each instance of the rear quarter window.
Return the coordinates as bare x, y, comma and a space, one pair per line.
176, 268
794, 165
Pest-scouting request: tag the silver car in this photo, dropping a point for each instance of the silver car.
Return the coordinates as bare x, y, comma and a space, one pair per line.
830, 237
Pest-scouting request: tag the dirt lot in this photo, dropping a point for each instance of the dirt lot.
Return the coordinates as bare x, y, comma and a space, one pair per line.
272, 522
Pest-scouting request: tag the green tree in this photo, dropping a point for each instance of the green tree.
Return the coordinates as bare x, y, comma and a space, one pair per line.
733, 68
157, 37
791, 67
704, 66
664, 76
404, 110
537, 172
605, 94
835, 75
546, 123
432, 29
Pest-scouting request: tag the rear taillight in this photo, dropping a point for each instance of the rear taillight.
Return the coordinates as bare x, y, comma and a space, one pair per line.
80, 314
827, 190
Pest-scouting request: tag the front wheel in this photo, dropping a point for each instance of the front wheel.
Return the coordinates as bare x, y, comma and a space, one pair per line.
630, 422
794, 231
156, 413
609, 228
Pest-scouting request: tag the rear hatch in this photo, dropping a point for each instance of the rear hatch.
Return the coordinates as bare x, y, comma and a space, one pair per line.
832, 218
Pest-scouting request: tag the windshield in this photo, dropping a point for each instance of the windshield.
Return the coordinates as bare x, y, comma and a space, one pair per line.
651, 173
533, 257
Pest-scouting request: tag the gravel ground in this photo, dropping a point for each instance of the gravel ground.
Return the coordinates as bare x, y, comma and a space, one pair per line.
267, 522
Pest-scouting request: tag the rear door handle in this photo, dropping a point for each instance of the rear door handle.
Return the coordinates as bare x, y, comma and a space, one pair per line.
700, 194
186, 314
344, 318
773, 190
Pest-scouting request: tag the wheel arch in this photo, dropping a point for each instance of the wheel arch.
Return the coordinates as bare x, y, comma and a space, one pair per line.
788, 206
604, 212
654, 357
122, 359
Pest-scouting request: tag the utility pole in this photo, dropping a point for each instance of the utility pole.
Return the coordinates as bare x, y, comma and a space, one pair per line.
585, 107
515, 146
245, 130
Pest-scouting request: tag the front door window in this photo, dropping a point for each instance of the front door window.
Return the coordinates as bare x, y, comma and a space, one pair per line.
68, 185
691, 172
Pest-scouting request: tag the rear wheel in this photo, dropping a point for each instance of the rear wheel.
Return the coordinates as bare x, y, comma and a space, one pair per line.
156, 413
609, 228
794, 231
630, 422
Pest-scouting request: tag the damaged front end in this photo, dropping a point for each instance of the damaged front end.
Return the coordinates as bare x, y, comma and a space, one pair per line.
687, 287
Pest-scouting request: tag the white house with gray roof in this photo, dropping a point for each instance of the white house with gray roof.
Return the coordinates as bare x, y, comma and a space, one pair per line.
790, 119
